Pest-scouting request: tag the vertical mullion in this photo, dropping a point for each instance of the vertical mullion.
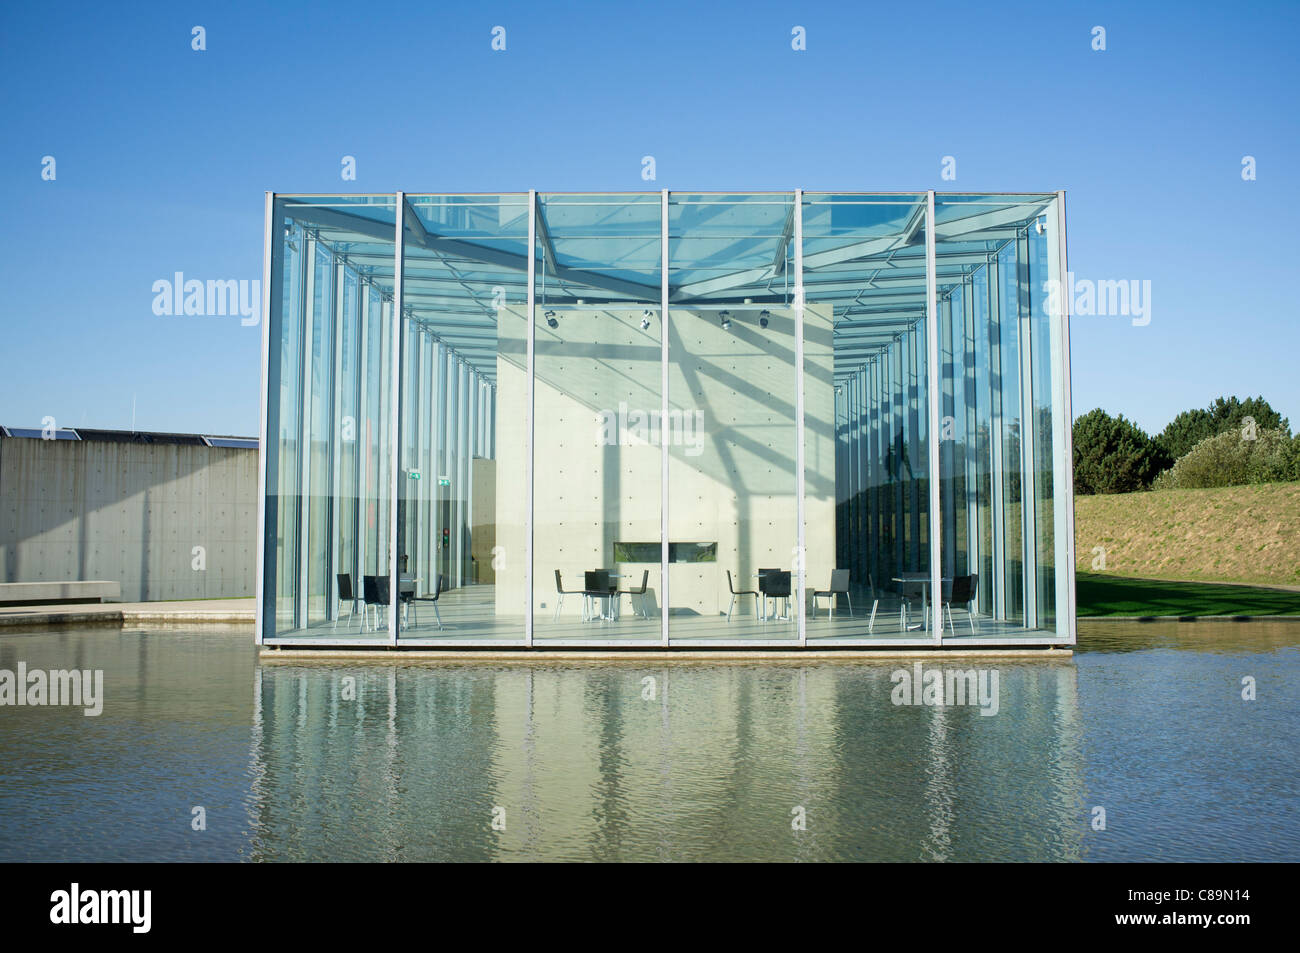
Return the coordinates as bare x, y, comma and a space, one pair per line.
336, 441
362, 433
997, 463
428, 480
932, 354
1028, 452
471, 448
302, 529
974, 540
799, 412
528, 420
271, 305
394, 413
1063, 435
947, 465
663, 415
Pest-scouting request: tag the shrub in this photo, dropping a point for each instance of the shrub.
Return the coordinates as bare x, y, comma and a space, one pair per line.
1229, 459
1192, 426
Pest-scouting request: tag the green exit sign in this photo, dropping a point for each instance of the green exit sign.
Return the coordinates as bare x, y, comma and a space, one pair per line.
444, 481
414, 474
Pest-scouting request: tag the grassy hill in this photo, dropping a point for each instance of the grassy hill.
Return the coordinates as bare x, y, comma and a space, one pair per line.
1247, 534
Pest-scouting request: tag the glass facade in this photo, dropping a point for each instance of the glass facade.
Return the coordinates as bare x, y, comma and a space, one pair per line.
666, 419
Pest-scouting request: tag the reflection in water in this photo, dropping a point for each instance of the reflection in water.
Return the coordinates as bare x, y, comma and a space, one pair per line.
710, 762
655, 761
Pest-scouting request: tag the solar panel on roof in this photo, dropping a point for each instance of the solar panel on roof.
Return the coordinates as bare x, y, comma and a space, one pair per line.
38, 433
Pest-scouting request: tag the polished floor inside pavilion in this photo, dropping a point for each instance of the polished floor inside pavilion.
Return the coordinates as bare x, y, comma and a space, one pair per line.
466, 616
535, 418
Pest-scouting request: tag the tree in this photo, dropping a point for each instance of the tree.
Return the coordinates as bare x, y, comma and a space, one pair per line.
1114, 455
1192, 426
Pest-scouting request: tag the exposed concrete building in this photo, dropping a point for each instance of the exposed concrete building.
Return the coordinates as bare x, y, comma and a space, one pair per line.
168, 516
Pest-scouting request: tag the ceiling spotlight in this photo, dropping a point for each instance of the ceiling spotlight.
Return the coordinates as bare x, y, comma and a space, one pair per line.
551, 320
762, 318
645, 320
725, 318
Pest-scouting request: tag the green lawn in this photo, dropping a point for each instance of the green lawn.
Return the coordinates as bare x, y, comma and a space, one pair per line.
1101, 594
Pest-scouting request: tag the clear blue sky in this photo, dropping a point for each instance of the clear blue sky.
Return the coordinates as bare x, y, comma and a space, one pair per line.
163, 155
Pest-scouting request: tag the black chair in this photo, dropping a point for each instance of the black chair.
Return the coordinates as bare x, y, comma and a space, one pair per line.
960, 590
383, 595
839, 586
441, 585
561, 592
346, 594
645, 579
369, 596
595, 586
737, 593
775, 584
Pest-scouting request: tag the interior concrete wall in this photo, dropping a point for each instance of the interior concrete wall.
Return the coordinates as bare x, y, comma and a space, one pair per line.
130, 512
731, 469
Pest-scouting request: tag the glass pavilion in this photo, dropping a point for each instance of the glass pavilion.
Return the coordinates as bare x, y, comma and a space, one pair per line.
669, 419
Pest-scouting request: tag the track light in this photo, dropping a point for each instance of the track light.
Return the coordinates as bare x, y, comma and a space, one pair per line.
725, 318
551, 320
645, 320
762, 318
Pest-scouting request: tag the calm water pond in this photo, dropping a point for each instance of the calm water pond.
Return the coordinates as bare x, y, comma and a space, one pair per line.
653, 761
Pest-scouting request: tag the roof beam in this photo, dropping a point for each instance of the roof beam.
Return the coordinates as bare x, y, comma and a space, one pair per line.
456, 248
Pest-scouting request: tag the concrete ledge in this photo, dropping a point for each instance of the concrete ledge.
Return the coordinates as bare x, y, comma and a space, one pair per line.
225, 612
270, 653
38, 593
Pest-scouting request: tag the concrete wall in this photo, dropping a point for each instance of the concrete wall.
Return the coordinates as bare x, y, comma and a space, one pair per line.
130, 512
